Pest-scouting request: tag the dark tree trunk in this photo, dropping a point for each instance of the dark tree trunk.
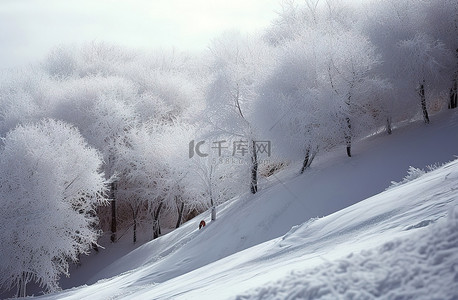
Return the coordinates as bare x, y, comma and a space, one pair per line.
348, 136
113, 212
213, 213
348, 133
156, 225
454, 90
348, 150
305, 164
454, 95
180, 215
135, 231
134, 217
22, 288
423, 102
254, 169
388, 125
212, 203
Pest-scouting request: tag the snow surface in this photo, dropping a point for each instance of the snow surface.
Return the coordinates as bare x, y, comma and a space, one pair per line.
423, 265
398, 243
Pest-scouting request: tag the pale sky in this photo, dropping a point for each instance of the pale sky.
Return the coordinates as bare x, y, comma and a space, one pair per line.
30, 28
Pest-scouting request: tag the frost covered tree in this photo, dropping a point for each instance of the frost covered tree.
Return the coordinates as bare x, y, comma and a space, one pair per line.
213, 178
50, 185
237, 65
22, 97
102, 109
324, 90
386, 23
108, 92
321, 91
414, 39
441, 22
296, 16
140, 174
105, 91
425, 63
154, 169
350, 61
289, 101
165, 89
180, 192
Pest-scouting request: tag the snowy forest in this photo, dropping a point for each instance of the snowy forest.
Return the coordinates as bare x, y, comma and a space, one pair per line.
99, 139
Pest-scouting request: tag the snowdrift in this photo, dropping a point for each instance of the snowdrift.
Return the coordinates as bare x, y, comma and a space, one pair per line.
418, 264
422, 266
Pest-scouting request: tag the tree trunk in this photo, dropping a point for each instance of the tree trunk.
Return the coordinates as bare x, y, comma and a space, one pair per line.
180, 215
135, 231
113, 212
348, 136
213, 214
156, 225
22, 287
254, 169
454, 95
212, 203
388, 125
454, 90
423, 102
305, 164
134, 217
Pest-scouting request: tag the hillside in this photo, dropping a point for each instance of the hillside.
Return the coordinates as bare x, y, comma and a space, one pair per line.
252, 243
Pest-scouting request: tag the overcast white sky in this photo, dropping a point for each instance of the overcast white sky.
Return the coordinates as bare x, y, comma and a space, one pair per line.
29, 28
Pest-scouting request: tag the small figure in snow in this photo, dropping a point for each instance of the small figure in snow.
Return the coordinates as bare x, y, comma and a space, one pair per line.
202, 224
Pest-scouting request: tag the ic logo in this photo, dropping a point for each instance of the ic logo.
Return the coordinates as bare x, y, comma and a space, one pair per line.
196, 148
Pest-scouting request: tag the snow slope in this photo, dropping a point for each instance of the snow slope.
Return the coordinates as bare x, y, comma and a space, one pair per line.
386, 245
423, 265
189, 263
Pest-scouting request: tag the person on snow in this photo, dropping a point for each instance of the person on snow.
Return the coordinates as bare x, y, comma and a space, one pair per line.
202, 224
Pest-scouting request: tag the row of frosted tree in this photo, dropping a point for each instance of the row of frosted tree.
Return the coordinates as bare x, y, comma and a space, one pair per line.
99, 138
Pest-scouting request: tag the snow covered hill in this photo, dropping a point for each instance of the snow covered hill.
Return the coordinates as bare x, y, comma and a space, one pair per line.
399, 242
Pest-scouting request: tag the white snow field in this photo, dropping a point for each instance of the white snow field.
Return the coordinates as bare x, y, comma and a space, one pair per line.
401, 243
